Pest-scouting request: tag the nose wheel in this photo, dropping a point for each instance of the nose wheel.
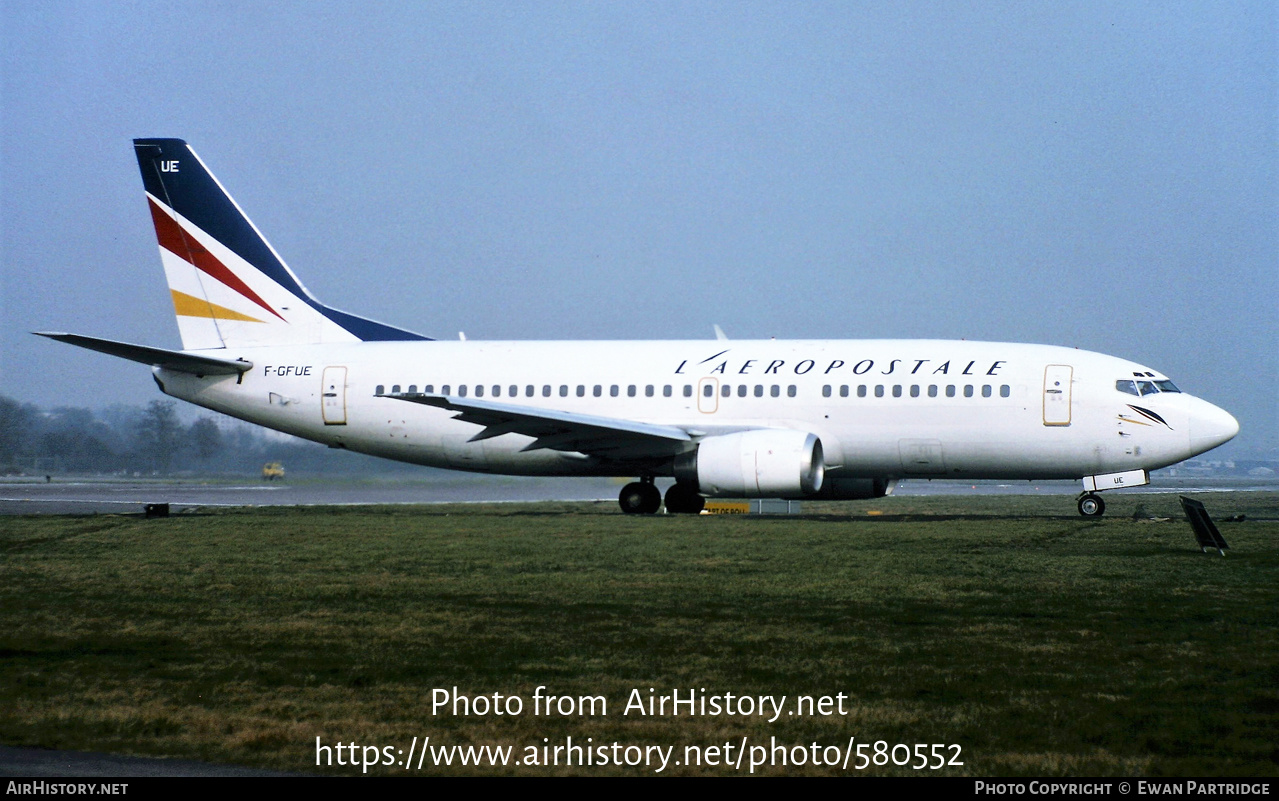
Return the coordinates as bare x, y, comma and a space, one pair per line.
640, 498
1091, 505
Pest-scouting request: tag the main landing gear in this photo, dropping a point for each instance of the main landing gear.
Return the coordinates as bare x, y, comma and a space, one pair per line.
682, 499
644, 498
640, 497
1091, 505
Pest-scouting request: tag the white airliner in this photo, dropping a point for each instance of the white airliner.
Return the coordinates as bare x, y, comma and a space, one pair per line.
822, 419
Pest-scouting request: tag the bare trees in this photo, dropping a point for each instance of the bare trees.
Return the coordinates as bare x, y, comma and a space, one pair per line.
159, 433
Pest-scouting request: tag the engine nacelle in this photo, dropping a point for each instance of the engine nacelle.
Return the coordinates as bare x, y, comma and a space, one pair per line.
767, 463
844, 488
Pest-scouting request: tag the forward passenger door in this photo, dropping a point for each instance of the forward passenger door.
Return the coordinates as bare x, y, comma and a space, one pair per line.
1057, 380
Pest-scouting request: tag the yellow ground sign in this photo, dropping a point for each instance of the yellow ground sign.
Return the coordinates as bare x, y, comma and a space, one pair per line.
727, 508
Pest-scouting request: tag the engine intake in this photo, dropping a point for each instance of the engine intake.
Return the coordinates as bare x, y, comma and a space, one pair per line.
766, 463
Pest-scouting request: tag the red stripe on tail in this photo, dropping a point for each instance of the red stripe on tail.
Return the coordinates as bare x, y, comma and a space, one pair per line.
178, 242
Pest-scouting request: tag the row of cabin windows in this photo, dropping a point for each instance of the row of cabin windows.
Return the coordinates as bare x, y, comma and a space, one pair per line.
708, 390
513, 391
932, 390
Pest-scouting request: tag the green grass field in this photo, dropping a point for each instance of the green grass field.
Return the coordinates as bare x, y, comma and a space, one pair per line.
1040, 642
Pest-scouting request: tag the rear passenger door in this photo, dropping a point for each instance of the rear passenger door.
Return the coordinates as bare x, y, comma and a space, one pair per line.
333, 396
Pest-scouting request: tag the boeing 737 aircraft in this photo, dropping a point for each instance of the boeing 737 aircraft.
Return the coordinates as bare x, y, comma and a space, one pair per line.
821, 419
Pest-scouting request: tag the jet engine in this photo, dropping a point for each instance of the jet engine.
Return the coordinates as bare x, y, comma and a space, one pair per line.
765, 463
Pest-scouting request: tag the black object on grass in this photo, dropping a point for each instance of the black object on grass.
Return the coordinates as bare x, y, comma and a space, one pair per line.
1205, 530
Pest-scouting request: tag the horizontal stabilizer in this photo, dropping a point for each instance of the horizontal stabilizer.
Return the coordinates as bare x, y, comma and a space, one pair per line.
156, 357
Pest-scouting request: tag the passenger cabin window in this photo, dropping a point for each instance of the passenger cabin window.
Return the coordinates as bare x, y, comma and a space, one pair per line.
666, 391
688, 390
381, 390
429, 389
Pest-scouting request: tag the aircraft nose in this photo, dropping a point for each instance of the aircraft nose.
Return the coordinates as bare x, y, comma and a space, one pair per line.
1210, 426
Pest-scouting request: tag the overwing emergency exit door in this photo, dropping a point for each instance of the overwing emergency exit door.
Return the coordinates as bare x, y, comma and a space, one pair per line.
333, 405
708, 395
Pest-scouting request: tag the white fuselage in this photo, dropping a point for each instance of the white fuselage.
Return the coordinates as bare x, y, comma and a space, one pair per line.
881, 408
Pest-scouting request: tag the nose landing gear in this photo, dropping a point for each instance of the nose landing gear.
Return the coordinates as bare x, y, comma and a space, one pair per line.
1091, 505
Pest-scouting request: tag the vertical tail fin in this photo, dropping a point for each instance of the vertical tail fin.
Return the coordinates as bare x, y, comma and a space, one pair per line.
229, 286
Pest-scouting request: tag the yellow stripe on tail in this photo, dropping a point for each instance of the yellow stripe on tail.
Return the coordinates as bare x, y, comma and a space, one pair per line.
190, 306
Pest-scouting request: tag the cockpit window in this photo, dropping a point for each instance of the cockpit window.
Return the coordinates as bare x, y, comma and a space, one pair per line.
1140, 388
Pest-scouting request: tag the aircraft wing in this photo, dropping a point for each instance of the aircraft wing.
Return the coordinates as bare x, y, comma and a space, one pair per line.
606, 437
180, 361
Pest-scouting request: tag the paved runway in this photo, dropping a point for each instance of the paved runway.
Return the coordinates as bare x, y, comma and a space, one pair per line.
20, 496
106, 496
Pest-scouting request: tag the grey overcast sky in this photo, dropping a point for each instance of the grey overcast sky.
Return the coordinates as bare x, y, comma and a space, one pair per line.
1101, 175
